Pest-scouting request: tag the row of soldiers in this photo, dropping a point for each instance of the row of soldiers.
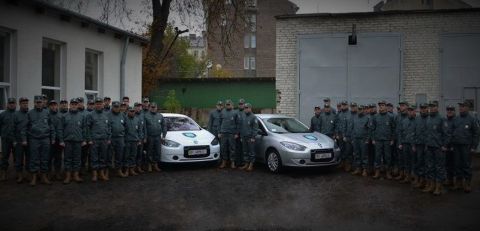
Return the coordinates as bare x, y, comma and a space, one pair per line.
107, 135
236, 129
426, 150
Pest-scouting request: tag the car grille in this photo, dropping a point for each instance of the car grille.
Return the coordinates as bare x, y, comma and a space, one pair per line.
188, 148
317, 151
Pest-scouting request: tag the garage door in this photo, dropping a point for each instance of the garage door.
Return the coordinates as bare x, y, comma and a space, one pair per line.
460, 68
363, 73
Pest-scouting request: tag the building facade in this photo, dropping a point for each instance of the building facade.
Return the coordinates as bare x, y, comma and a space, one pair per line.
252, 51
49, 50
413, 55
197, 47
420, 5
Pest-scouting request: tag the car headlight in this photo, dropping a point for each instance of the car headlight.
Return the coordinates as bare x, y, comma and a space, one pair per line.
293, 146
214, 142
170, 143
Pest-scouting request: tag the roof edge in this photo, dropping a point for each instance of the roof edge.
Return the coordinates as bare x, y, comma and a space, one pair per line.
376, 13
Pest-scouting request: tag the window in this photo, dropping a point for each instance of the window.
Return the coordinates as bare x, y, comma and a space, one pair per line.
252, 63
253, 23
5, 58
251, 3
195, 53
253, 41
52, 62
246, 63
203, 54
92, 59
249, 63
246, 41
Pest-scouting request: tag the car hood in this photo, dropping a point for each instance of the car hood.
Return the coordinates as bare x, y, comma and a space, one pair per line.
201, 137
314, 138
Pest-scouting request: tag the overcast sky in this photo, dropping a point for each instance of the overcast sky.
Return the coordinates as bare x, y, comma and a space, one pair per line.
139, 15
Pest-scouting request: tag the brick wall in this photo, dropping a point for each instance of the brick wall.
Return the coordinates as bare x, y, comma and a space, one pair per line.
421, 38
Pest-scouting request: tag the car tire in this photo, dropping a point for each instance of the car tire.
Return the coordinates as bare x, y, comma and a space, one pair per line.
273, 161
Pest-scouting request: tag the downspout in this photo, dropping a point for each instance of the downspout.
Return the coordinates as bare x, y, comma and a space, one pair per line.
122, 67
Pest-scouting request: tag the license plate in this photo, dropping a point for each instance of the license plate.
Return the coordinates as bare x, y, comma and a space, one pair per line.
197, 152
323, 156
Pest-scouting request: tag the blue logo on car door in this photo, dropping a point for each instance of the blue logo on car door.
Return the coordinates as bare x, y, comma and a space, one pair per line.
310, 137
189, 134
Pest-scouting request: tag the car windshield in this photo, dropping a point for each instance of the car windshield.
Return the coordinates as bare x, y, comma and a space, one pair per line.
181, 124
285, 125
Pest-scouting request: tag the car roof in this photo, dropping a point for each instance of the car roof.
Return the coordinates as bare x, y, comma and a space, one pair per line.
268, 116
173, 115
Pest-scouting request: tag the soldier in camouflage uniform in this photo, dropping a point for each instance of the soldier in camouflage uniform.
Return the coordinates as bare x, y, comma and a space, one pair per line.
449, 155
465, 135
419, 147
316, 120
360, 138
22, 157
383, 136
7, 134
406, 140
228, 133
248, 132
214, 119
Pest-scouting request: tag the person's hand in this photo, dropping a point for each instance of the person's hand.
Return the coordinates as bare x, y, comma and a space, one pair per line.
236, 136
14, 143
400, 147
344, 139
63, 144
53, 141
472, 149
391, 142
373, 141
219, 135
109, 141
252, 140
414, 149
144, 141
139, 143
444, 149
84, 143
24, 143
90, 142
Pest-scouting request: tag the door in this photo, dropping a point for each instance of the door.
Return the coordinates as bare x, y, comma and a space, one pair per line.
364, 73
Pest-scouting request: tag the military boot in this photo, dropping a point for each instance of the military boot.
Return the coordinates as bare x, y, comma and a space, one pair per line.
140, 170
429, 187
467, 188
245, 166
389, 174
33, 182
414, 180
223, 164
457, 184
347, 167
356, 172
156, 168
364, 173
400, 176
232, 165
107, 174
419, 183
250, 167
101, 175
406, 179
149, 167
438, 188
120, 173
19, 177
45, 179
396, 172
132, 172
77, 178
68, 176
94, 176
377, 174
341, 165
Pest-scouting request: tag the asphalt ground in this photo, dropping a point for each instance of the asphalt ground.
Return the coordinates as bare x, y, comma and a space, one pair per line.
202, 197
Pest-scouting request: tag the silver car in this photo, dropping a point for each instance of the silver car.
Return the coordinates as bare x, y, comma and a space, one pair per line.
285, 141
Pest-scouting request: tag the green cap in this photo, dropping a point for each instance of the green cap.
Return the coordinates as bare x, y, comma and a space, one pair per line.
219, 102
423, 105
115, 104
228, 101
382, 102
241, 101
38, 98
412, 107
433, 103
248, 105
450, 108
353, 104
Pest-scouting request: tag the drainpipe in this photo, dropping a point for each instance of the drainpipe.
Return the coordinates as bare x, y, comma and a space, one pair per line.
122, 67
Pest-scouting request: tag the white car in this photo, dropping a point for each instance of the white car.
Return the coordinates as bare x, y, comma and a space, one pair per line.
187, 142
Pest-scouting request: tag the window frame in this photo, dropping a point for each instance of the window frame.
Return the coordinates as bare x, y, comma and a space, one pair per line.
7, 85
62, 67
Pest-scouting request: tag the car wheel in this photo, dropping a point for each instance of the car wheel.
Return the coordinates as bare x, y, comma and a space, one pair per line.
274, 162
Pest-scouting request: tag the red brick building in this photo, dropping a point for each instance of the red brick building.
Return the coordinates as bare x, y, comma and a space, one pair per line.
252, 52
